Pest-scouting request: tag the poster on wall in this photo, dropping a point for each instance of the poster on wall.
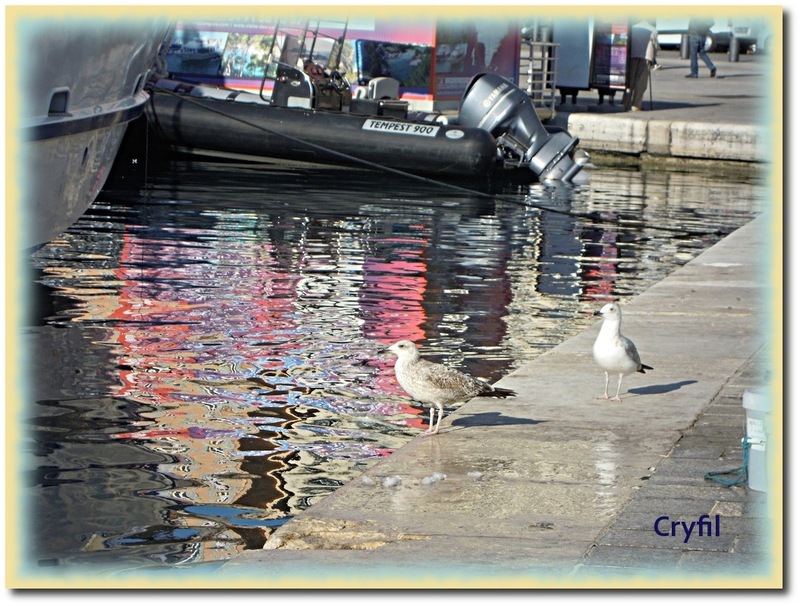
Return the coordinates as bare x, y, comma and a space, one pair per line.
466, 48
235, 53
610, 56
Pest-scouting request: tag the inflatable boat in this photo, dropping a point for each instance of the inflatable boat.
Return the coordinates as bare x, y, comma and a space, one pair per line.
320, 120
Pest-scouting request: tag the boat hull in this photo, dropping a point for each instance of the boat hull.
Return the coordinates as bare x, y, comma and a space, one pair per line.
207, 125
80, 88
65, 175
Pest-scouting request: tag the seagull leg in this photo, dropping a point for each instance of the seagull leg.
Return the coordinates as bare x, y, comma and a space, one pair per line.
431, 428
439, 419
430, 424
619, 384
605, 391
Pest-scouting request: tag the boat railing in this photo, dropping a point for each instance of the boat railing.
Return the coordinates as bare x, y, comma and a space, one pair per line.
300, 52
293, 43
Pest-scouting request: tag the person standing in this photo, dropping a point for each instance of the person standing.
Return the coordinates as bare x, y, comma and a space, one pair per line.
699, 29
644, 42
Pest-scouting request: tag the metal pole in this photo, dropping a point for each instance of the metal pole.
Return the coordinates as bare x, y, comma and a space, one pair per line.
734, 49
685, 46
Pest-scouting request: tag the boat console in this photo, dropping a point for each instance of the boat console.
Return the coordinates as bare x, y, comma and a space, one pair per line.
294, 87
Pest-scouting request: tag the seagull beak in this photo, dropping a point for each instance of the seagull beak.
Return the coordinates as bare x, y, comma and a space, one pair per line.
597, 313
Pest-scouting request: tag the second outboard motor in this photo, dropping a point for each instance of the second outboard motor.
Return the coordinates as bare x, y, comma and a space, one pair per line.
493, 103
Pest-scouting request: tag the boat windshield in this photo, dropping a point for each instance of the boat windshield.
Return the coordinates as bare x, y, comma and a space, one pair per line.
318, 41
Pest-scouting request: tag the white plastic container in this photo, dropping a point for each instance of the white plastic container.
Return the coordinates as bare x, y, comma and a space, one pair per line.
757, 406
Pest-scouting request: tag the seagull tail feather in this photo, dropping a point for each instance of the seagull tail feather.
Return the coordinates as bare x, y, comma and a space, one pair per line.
499, 392
644, 367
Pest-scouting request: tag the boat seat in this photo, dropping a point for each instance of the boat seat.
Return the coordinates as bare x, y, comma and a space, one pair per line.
379, 88
383, 88
293, 88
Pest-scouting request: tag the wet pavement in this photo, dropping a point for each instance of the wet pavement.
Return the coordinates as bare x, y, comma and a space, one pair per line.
680, 486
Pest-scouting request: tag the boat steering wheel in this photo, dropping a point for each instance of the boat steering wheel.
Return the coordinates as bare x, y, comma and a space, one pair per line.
338, 81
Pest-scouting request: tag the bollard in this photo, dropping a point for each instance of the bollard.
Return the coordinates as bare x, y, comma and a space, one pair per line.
684, 46
733, 50
756, 404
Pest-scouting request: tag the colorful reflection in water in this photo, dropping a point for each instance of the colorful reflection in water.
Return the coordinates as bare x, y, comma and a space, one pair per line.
204, 352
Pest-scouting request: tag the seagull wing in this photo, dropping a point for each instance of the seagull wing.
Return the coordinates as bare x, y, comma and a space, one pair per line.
632, 353
451, 385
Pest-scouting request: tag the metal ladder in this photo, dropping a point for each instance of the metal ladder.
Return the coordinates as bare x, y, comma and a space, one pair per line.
538, 68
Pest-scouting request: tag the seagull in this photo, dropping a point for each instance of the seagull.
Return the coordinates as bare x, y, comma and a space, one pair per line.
614, 352
435, 384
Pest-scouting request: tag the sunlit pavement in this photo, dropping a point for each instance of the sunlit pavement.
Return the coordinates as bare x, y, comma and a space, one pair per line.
726, 118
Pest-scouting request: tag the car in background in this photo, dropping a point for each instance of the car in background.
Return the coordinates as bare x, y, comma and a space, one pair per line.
765, 41
749, 33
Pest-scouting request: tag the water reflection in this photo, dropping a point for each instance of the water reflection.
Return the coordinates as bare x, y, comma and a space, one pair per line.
206, 365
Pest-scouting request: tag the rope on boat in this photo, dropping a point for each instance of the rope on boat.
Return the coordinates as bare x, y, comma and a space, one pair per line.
595, 217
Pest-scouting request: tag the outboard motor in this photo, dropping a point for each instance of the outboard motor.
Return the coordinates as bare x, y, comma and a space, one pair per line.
493, 103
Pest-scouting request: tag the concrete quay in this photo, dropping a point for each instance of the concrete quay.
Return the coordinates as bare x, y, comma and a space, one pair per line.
726, 118
559, 489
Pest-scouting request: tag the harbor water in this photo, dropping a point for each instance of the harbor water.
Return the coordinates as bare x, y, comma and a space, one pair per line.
203, 348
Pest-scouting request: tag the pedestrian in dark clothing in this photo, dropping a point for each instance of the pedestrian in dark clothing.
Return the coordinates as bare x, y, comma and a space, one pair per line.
644, 43
699, 29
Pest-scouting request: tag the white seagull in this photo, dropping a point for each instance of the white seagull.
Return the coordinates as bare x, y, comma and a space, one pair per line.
613, 351
435, 384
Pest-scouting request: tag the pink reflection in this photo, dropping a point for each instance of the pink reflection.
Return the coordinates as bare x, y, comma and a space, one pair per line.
208, 333
600, 280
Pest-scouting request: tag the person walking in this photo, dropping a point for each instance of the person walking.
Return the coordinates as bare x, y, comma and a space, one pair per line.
699, 29
644, 42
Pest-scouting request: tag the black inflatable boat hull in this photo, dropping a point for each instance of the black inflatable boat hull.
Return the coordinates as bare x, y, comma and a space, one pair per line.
208, 125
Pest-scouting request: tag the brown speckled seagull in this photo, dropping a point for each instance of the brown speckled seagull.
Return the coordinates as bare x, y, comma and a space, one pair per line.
435, 384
